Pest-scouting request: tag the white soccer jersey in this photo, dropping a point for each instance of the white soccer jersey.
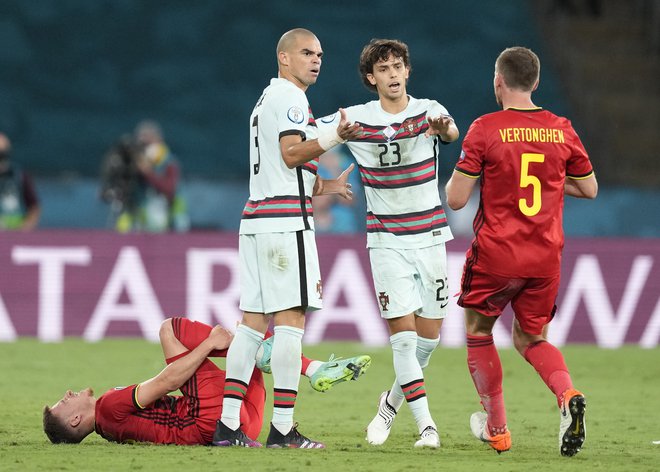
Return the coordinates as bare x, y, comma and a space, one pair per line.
398, 167
280, 198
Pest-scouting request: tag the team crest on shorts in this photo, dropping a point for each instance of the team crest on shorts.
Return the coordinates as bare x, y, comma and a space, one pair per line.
384, 300
319, 289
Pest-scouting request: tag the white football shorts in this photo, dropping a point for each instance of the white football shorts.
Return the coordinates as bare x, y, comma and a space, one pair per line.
411, 281
279, 271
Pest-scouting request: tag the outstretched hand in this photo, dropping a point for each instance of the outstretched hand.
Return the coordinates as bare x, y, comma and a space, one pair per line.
439, 125
346, 130
344, 186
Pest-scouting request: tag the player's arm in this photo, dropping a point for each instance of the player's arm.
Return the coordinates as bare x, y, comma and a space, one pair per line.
458, 189
444, 127
581, 188
296, 152
179, 371
339, 186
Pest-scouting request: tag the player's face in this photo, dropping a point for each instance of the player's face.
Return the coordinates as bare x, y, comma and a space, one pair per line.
304, 61
72, 402
390, 78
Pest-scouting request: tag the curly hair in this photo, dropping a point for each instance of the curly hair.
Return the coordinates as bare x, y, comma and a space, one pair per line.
58, 431
381, 50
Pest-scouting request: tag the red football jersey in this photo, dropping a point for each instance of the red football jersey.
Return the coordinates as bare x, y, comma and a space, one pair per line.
523, 157
168, 421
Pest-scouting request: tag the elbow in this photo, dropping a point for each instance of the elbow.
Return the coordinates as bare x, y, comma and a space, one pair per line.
289, 162
455, 204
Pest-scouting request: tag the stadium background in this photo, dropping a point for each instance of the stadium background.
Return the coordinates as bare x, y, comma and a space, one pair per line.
79, 73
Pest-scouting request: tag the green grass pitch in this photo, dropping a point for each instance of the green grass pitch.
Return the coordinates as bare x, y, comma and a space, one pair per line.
623, 413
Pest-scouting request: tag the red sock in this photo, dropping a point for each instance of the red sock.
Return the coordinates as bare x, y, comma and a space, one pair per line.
549, 363
486, 371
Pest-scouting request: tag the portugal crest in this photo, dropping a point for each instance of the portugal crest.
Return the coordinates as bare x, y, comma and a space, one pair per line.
384, 300
319, 289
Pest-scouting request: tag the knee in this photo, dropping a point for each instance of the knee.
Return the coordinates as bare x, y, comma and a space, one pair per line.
166, 331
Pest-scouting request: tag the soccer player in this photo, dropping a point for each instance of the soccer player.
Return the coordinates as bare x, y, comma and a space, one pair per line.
280, 276
406, 225
145, 412
527, 159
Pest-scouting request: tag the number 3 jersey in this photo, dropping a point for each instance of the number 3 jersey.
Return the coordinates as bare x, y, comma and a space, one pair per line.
280, 198
523, 157
398, 168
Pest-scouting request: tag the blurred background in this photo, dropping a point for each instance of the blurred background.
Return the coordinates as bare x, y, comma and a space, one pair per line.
80, 75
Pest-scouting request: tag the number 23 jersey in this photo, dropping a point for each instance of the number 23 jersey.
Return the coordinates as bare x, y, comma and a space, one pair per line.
523, 157
398, 168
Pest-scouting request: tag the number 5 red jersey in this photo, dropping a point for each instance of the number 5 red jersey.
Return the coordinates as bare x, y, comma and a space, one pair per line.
523, 157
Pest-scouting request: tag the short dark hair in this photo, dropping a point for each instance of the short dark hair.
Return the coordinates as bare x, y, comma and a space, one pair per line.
519, 67
381, 50
58, 431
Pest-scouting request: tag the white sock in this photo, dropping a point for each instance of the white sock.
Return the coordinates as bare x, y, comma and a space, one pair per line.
425, 348
285, 363
410, 377
240, 364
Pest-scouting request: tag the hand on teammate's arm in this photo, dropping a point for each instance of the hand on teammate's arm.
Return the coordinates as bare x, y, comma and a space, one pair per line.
339, 186
296, 152
179, 371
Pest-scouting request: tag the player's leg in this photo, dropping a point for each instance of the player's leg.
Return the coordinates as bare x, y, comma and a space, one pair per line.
486, 371
322, 375
483, 298
292, 286
178, 331
252, 410
408, 283
534, 309
241, 354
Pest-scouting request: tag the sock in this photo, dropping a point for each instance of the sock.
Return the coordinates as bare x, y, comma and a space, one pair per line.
307, 363
549, 363
410, 378
240, 364
425, 348
486, 371
286, 365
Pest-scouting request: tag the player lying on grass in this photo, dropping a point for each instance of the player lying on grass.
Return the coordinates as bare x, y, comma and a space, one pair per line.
145, 412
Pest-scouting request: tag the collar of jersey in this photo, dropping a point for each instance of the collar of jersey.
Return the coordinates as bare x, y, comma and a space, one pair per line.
525, 109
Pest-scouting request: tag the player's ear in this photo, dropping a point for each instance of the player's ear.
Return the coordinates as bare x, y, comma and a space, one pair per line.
371, 79
75, 421
284, 59
536, 85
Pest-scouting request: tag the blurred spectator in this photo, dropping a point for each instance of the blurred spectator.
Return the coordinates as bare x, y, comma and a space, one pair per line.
19, 204
141, 179
333, 214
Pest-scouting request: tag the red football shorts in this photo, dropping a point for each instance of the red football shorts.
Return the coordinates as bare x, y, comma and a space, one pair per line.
532, 299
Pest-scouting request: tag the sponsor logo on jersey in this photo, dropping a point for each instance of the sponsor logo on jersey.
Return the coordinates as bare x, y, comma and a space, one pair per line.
462, 156
296, 115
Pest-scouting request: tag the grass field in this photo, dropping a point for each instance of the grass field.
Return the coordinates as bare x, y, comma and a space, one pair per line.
623, 415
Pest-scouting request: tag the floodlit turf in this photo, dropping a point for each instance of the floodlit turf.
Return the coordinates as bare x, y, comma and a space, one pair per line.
623, 414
